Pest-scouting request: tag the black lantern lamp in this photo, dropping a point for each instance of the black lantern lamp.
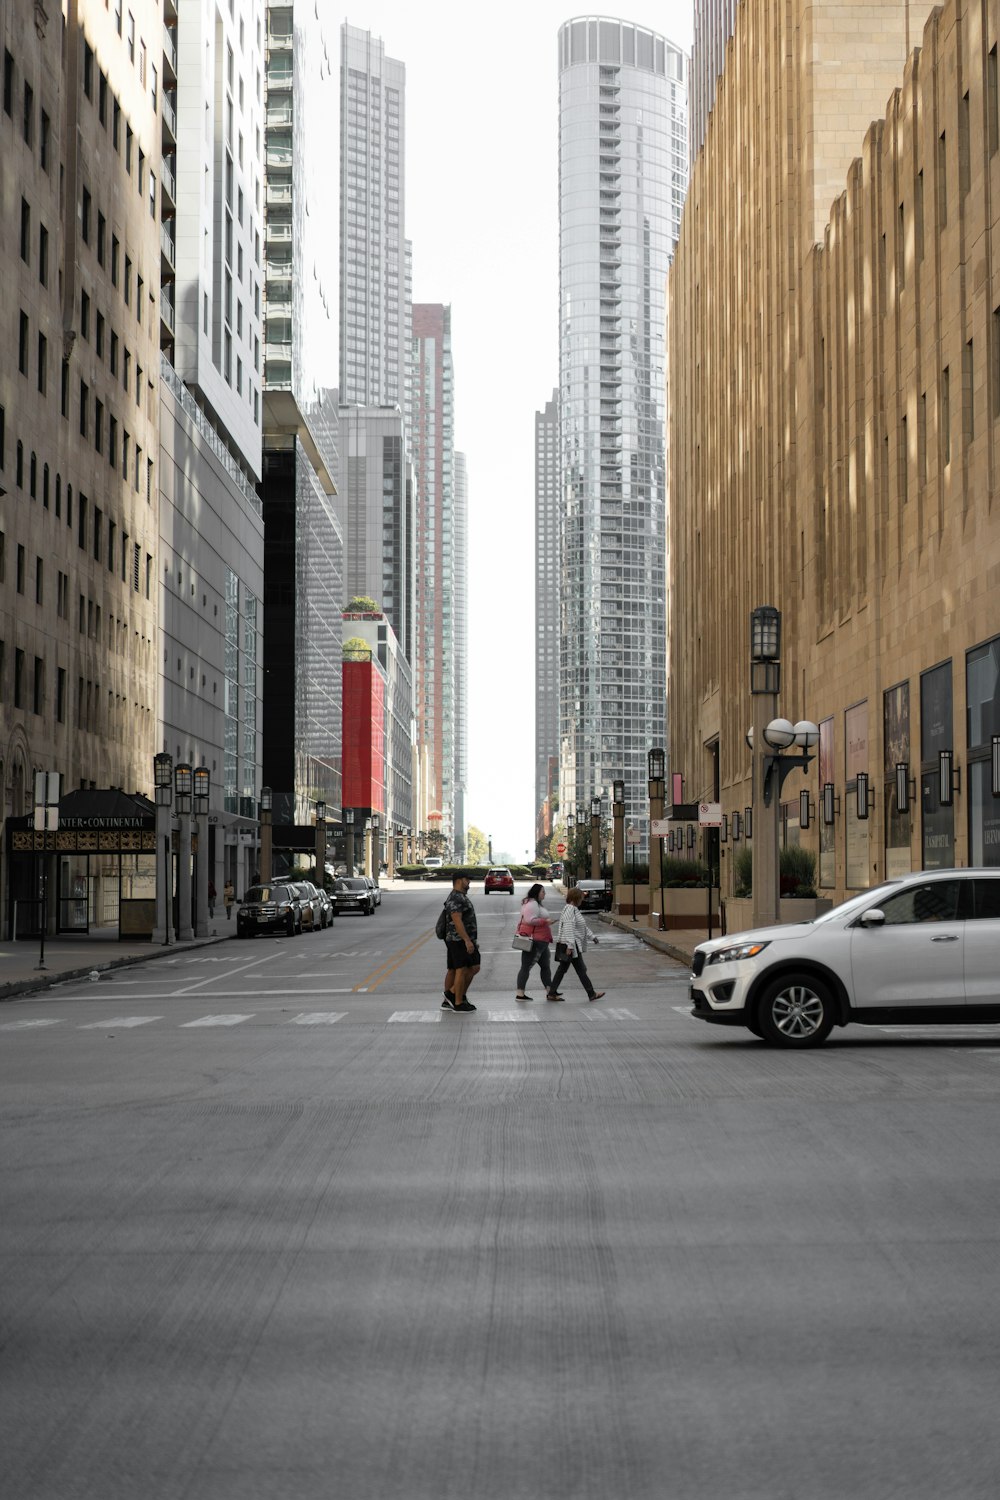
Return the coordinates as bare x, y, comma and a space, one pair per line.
163, 778
765, 649
202, 791
183, 783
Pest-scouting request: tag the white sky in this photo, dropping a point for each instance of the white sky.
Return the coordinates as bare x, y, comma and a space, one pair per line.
482, 213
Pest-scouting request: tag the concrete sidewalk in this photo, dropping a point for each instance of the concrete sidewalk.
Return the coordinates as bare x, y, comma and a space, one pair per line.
679, 943
74, 956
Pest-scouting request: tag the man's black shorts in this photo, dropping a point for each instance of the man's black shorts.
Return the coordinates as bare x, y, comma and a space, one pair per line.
460, 958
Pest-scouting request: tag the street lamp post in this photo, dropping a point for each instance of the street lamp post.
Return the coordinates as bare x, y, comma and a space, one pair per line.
48, 785
571, 861
202, 794
266, 811
321, 845
657, 771
183, 787
618, 855
596, 804
163, 780
349, 839
376, 868
368, 846
770, 738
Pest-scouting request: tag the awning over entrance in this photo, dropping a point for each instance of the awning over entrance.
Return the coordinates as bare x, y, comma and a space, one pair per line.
92, 820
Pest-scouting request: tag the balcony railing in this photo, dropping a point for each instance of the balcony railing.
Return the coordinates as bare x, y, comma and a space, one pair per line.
174, 383
170, 49
169, 115
167, 243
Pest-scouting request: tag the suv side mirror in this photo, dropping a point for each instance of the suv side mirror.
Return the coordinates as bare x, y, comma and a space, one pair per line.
872, 918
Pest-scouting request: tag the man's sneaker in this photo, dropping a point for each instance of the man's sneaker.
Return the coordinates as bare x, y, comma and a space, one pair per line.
463, 1005
448, 1003
449, 995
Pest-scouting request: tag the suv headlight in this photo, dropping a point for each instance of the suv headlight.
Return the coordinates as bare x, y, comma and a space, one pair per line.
738, 951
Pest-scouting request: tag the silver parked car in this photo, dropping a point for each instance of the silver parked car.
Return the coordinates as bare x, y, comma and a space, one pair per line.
925, 948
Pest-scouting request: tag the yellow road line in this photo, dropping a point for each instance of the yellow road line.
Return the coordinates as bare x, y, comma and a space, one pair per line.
376, 977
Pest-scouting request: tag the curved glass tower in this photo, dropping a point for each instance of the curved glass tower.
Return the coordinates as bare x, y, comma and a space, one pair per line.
623, 164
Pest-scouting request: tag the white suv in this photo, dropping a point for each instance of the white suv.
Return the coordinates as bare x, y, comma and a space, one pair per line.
925, 948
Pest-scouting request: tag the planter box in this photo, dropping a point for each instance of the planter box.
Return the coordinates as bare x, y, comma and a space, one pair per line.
739, 910
623, 900
687, 908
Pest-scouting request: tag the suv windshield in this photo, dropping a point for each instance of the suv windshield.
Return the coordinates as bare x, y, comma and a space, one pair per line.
354, 884
265, 893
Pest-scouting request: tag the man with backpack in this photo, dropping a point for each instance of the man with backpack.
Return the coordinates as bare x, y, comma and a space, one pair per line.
460, 933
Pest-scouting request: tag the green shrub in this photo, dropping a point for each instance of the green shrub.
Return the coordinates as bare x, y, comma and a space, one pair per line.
743, 871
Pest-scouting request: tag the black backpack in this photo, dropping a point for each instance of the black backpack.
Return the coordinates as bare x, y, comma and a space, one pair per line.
441, 925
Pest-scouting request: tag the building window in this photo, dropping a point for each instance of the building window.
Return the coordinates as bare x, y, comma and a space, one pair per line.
18, 678
22, 344
19, 582
8, 83
38, 694
39, 581
60, 695
43, 362
84, 408
85, 217
25, 230
43, 143
43, 255
29, 114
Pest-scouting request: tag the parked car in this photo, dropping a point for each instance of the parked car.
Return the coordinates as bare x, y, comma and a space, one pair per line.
316, 905
433, 862
352, 893
499, 880
269, 908
921, 949
596, 895
373, 886
555, 870
329, 910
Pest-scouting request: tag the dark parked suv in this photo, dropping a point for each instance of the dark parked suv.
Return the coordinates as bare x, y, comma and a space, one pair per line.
353, 893
269, 908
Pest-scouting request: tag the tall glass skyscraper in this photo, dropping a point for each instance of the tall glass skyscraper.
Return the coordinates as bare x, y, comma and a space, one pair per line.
373, 250
623, 164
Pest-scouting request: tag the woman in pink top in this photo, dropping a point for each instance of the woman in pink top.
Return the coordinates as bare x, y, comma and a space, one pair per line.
534, 923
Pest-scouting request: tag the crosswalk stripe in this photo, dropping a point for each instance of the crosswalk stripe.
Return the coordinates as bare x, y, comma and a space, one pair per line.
415, 1015
29, 1025
612, 1013
217, 1021
319, 1018
119, 1022
512, 1015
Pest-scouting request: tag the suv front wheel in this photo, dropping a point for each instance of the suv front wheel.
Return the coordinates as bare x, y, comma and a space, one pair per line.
795, 1011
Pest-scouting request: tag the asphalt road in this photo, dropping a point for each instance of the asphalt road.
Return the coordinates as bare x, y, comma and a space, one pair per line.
273, 1225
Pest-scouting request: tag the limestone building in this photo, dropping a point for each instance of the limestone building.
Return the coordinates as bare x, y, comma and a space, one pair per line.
835, 414
79, 372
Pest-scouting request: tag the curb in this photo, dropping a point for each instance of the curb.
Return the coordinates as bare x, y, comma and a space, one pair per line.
58, 976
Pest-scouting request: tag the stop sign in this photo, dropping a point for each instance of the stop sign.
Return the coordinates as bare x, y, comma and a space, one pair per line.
560, 848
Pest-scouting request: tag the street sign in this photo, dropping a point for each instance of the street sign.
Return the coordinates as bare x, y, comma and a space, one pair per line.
709, 815
560, 848
660, 827
633, 836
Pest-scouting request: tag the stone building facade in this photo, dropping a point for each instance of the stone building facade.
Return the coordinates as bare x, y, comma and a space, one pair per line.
835, 415
79, 408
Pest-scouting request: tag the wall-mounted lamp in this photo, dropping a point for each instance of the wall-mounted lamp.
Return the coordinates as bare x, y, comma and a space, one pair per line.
691, 836
805, 808
670, 840
748, 823
865, 799
724, 830
737, 827
906, 786
831, 804
950, 777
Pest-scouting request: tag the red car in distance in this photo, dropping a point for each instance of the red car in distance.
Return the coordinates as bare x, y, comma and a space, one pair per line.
499, 880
